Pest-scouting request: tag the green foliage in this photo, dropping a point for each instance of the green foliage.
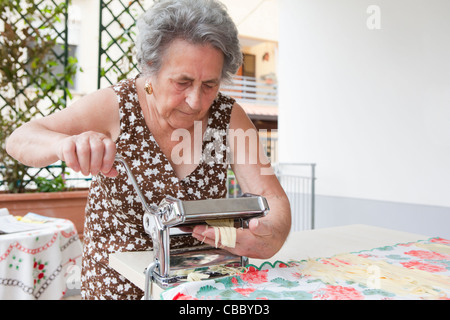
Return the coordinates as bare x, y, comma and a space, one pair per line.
117, 45
30, 85
51, 185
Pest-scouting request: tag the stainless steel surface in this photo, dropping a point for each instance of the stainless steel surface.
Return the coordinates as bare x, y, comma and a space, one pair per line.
149, 279
202, 257
242, 208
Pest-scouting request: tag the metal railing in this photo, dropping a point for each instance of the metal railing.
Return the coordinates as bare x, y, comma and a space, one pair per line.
252, 90
298, 181
72, 179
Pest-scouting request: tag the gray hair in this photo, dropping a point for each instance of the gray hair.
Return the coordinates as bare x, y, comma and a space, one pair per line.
196, 21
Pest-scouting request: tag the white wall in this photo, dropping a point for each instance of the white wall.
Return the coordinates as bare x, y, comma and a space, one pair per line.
84, 15
370, 107
255, 18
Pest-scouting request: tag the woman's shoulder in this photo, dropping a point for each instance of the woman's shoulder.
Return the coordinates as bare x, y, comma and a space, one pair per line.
101, 98
220, 111
239, 118
223, 104
126, 93
124, 83
225, 99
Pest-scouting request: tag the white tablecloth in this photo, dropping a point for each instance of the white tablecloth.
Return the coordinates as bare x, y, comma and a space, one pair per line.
41, 263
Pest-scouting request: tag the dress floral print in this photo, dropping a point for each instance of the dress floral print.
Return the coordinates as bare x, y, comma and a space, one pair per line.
114, 213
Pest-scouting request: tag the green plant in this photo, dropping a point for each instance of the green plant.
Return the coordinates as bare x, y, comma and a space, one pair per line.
32, 82
51, 185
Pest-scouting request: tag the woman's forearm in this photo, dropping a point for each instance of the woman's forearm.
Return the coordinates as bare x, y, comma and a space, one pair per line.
82, 135
280, 215
34, 145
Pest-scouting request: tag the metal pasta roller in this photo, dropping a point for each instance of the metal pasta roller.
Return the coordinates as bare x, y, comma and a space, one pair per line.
170, 267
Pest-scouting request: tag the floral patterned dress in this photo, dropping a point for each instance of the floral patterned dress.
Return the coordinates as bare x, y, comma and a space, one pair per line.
114, 213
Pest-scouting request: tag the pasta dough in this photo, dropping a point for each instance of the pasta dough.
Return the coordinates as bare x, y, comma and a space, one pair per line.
225, 271
196, 276
225, 232
192, 275
392, 278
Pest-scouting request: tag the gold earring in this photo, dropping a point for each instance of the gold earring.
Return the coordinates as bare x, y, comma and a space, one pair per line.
148, 88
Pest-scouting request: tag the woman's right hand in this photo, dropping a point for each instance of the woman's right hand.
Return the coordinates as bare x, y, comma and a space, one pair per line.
89, 153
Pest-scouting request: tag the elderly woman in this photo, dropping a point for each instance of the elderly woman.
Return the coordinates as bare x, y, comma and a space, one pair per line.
186, 49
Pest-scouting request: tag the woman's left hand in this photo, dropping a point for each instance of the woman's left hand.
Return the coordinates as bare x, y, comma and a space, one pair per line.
259, 241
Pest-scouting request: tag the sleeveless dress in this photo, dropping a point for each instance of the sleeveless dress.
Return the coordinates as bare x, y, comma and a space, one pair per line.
114, 213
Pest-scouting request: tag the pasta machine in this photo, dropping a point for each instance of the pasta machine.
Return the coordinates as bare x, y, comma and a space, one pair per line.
166, 269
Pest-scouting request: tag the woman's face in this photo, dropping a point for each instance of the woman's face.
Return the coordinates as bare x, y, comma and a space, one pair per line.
187, 83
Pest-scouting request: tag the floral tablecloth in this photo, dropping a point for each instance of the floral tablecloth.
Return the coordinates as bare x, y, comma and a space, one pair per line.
419, 270
40, 263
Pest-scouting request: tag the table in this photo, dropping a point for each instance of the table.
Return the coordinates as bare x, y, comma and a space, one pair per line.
41, 263
317, 243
